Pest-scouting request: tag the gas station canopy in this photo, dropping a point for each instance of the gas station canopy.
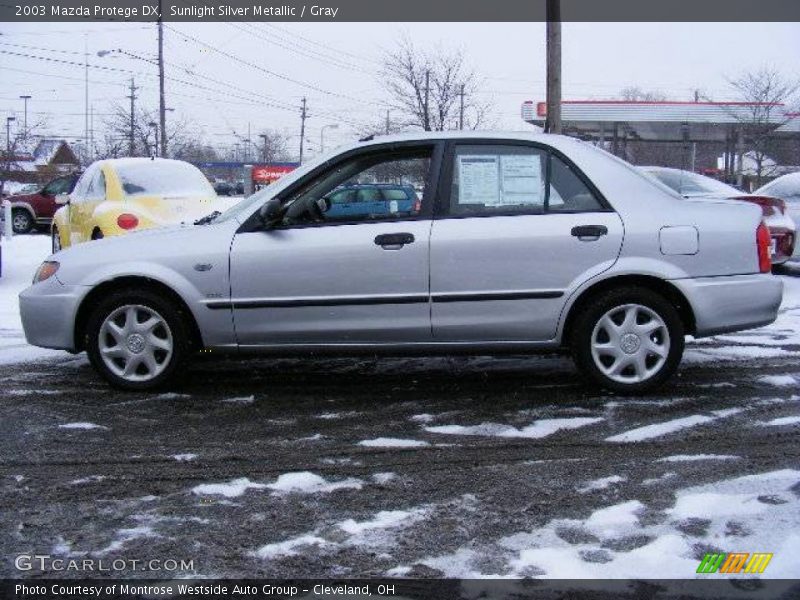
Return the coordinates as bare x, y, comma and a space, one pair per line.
663, 121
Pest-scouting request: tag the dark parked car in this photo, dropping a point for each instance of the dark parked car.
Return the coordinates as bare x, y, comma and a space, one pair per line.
37, 209
358, 200
224, 188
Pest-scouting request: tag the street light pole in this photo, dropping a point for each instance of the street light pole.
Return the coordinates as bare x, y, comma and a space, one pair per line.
322, 135
263, 136
8, 137
25, 118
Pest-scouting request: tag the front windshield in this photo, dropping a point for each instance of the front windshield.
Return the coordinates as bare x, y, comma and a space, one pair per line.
165, 179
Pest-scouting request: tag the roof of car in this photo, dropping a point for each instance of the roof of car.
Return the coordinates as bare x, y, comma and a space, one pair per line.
459, 134
135, 160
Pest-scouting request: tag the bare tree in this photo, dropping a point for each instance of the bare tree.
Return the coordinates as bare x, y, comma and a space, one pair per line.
273, 146
769, 97
117, 139
429, 89
10, 152
636, 94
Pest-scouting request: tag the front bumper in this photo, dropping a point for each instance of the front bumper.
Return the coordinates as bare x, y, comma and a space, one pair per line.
732, 303
48, 310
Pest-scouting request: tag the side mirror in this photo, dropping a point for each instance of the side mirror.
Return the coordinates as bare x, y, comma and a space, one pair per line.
270, 213
62, 199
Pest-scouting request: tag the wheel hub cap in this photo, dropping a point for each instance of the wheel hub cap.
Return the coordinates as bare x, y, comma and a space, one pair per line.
630, 343
136, 343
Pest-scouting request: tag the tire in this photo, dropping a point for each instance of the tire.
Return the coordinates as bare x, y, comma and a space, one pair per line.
129, 353
628, 340
21, 221
55, 239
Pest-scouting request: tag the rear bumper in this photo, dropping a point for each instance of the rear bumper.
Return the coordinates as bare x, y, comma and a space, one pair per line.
48, 312
732, 303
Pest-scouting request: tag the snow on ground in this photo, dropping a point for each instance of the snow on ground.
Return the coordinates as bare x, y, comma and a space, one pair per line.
659, 429
184, 457
288, 547
22, 255
232, 489
81, 426
385, 442
781, 421
386, 519
309, 483
696, 457
779, 380
240, 400
536, 430
601, 484
624, 540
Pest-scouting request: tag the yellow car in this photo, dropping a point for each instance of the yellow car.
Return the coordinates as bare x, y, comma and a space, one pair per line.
117, 196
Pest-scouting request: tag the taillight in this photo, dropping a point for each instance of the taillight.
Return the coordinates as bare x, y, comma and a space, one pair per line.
763, 243
127, 221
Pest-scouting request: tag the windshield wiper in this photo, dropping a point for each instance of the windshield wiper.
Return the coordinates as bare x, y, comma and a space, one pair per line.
208, 218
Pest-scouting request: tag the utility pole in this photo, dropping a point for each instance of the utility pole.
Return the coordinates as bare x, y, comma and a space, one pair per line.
86, 86
132, 132
461, 111
264, 136
25, 121
388, 123
426, 121
302, 127
162, 106
553, 119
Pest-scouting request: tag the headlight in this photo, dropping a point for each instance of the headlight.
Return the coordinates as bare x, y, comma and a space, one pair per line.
47, 269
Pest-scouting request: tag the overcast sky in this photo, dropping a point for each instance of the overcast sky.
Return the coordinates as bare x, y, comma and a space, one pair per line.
335, 65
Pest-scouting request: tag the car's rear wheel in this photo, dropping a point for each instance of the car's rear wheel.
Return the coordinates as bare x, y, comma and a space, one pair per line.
21, 221
136, 339
55, 238
628, 340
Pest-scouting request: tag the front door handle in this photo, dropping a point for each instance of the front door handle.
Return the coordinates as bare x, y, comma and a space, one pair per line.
393, 241
589, 232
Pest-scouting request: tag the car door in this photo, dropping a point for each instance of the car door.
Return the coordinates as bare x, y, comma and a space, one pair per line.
517, 227
319, 278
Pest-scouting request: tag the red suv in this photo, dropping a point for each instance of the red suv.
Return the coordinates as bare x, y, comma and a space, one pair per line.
37, 209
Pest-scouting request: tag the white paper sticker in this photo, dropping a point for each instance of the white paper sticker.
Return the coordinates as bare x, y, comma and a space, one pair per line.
479, 180
521, 179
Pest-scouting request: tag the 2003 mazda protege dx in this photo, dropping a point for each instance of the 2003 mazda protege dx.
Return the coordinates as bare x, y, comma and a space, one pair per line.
521, 242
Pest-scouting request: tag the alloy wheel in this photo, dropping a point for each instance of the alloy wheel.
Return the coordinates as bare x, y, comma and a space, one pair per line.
135, 343
630, 343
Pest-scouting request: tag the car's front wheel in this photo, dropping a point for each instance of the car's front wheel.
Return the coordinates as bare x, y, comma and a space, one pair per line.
628, 340
136, 339
21, 221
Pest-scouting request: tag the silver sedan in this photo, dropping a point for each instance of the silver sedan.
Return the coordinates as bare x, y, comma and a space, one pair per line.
430, 243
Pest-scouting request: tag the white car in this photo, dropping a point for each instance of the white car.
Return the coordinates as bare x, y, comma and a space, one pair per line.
787, 188
520, 243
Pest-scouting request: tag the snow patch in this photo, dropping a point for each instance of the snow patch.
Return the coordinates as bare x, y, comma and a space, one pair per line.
778, 380
288, 547
306, 482
696, 457
384, 442
536, 430
240, 400
601, 484
386, 519
232, 489
81, 426
780, 421
184, 457
659, 429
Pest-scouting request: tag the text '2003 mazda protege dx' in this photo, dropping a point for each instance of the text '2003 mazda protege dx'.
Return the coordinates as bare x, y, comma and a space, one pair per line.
519, 242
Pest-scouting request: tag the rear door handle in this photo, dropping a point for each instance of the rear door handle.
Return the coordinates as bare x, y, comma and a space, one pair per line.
592, 232
394, 240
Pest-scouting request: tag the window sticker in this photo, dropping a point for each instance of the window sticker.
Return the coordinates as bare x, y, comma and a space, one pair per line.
500, 180
521, 179
479, 180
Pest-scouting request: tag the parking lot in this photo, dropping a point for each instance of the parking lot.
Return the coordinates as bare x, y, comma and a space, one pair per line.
458, 467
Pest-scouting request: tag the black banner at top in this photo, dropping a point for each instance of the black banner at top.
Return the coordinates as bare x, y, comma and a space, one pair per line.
398, 10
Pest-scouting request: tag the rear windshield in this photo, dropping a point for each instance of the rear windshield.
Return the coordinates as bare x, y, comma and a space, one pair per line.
687, 183
395, 194
163, 179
